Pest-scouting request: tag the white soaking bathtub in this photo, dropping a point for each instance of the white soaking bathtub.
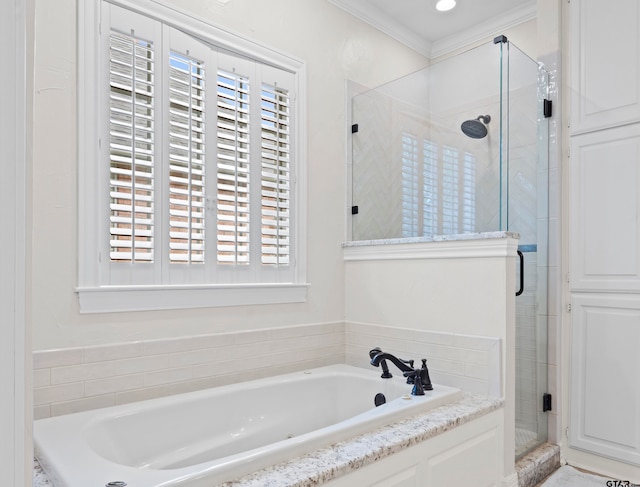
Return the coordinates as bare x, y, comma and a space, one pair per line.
204, 438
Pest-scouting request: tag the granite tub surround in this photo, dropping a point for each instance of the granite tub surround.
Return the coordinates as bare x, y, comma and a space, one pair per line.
341, 458
344, 457
40, 478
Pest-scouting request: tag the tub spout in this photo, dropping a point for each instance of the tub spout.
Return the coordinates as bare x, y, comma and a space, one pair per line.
378, 357
381, 362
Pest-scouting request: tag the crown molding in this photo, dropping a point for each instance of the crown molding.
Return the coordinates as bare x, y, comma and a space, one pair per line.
399, 32
393, 29
510, 19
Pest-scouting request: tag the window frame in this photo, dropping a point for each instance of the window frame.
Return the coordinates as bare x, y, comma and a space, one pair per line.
94, 295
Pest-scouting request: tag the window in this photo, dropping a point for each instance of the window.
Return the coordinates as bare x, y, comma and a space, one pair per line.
430, 188
450, 182
438, 188
410, 185
191, 166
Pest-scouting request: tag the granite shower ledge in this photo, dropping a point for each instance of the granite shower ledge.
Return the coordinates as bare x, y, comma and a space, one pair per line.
346, 456
433, 238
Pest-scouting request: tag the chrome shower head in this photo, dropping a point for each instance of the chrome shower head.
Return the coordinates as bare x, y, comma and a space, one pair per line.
476, 129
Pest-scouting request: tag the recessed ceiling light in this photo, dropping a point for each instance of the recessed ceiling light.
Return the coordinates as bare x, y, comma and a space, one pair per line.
444, 5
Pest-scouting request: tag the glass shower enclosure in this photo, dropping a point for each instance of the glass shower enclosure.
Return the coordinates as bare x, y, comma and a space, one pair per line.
461, 147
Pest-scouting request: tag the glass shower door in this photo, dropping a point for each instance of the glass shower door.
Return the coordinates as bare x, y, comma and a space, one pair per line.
526, 146
415, 173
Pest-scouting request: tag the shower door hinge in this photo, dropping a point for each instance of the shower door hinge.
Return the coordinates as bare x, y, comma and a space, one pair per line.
354, 128
354, 210
547, 108
546, 402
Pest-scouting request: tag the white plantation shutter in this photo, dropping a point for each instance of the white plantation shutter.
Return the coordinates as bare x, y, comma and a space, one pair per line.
131, 148
450, 191
469, 193
275, 175
410, 185
187, 151
438, 186
430, 176
233, 168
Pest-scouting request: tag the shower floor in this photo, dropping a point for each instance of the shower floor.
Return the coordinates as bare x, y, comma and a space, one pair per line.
525, 441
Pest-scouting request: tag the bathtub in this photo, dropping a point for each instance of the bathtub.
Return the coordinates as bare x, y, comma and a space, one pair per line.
204, 438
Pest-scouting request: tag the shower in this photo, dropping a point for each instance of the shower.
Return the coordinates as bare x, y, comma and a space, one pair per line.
476, 129
415, 175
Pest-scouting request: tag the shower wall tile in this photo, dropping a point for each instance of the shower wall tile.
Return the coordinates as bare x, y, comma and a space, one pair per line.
79, 379
554, 339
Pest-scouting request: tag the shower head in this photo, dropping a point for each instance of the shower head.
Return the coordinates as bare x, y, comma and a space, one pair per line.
476, 129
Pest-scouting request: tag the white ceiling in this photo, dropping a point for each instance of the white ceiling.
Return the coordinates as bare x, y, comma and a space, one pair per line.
419, 25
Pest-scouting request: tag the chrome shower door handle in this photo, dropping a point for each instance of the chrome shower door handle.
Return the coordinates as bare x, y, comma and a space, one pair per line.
521, 290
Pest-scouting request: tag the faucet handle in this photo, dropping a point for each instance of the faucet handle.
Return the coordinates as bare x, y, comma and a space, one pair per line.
416, 379
424, 376
409, 362
410, 377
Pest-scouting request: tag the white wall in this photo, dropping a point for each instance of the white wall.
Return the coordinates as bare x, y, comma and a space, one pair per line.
456, 295
335, 47
15, 369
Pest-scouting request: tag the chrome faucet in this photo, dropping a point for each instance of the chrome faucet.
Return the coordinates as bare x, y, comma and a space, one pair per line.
418, 377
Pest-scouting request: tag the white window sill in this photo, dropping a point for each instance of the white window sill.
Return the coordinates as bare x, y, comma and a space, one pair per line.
111, 299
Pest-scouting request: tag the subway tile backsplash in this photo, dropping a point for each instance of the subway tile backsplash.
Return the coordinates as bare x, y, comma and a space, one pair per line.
472, 363
78, 379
